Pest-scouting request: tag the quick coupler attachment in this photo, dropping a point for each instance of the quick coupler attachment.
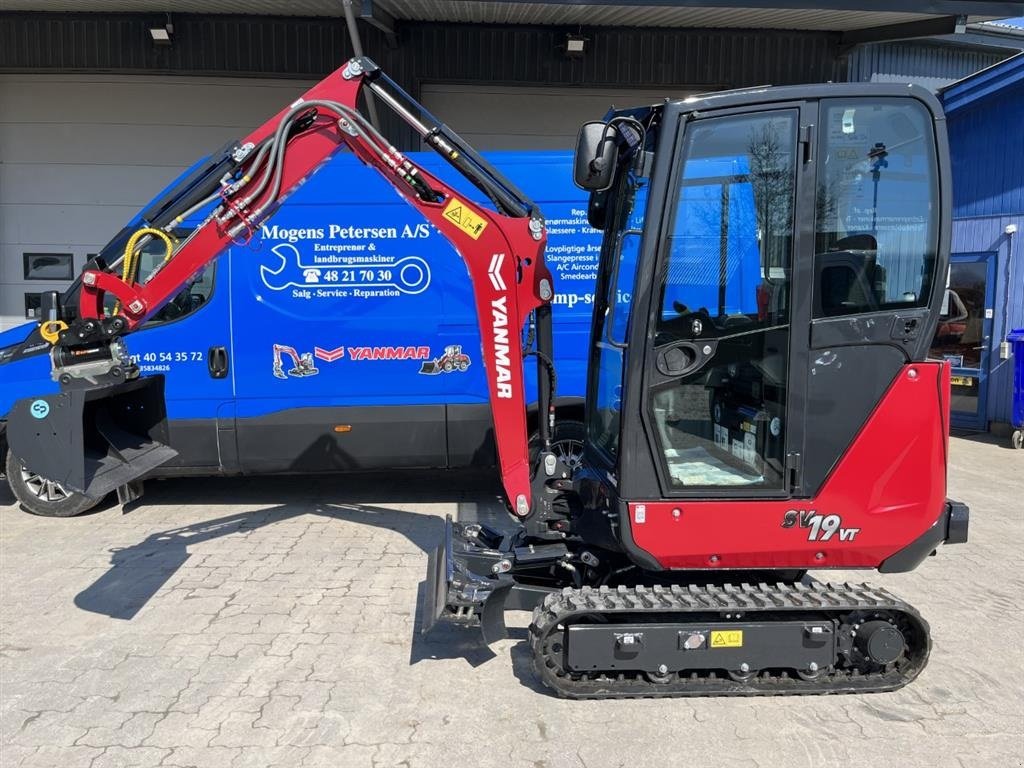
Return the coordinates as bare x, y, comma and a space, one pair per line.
93, 440
467, 581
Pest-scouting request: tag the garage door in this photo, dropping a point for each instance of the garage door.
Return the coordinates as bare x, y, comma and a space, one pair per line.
79, 155
498, 117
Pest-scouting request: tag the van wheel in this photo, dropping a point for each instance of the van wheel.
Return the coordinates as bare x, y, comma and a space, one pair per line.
41, 496
566, 443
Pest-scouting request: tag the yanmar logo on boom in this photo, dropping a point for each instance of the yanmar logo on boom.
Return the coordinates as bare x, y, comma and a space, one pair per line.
499, 330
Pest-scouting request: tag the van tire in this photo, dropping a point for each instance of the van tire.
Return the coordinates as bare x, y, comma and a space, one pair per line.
567, 440
31, 496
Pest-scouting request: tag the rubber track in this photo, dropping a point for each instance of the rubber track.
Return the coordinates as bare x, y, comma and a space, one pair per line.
811, 597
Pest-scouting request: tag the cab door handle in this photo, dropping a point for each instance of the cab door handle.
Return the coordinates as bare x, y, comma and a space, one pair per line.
217, 362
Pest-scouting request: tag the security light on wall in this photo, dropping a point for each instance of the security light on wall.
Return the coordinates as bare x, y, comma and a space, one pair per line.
162, 35
575, 45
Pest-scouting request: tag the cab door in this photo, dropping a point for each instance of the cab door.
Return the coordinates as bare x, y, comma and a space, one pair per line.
720, 390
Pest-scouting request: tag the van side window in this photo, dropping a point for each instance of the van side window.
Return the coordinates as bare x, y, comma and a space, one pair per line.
188, 300
876, 225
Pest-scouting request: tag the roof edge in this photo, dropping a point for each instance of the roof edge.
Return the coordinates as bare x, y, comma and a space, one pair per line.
983, 83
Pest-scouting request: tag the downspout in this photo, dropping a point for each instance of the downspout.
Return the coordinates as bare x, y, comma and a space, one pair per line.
1004, 345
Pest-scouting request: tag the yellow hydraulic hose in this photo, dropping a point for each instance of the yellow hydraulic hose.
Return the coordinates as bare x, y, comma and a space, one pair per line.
50, 329
131, 262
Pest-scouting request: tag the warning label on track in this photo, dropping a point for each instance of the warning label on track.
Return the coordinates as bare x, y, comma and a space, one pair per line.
457, 213
727, 638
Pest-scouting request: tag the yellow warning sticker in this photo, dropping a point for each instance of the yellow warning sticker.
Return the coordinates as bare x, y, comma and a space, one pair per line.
961, 381
727, 638
462, 217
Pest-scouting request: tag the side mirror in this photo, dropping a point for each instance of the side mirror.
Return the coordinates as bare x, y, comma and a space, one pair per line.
596, 149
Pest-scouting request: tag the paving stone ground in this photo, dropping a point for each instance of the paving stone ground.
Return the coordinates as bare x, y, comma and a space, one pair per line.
271, 622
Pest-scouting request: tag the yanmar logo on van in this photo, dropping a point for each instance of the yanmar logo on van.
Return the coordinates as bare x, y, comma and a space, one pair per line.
499, 330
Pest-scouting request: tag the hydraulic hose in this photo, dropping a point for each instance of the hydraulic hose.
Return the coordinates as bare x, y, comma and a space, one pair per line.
265, 156
201, 204
275, 162
271, 156
271, 153
130, 262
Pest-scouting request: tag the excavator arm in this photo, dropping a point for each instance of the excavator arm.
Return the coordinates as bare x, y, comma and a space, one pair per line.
503, 250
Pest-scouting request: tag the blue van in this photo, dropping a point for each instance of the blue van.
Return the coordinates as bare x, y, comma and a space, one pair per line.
341, 336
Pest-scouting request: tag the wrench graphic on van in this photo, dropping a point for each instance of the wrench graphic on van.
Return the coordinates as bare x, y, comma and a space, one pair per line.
409, 274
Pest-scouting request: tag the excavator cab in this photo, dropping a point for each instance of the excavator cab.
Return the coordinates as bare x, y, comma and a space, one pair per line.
759, 403
781, 256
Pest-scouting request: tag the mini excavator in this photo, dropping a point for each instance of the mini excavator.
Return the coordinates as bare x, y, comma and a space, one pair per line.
759, 402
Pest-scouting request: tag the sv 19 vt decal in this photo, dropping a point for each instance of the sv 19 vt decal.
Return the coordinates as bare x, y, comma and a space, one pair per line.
819, 527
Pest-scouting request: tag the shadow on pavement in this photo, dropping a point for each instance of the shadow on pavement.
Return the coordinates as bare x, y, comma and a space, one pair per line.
6, 497
522, 668
392, 487
138, 572
977, 436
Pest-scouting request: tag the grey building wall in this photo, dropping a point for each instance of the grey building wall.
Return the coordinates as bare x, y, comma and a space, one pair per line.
81, 153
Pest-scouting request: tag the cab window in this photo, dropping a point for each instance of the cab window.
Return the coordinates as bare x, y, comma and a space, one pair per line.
876, 223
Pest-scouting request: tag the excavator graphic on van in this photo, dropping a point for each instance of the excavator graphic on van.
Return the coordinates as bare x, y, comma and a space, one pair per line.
302, 364
453, 359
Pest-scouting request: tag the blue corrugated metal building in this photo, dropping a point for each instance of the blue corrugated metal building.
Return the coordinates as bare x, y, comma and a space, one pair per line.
931, 63
938, 61
985, 115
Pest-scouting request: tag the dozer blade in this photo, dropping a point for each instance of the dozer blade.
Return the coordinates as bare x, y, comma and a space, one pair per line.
456, 593
93, 440
437, 589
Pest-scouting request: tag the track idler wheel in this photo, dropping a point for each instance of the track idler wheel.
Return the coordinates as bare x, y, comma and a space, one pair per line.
880, 642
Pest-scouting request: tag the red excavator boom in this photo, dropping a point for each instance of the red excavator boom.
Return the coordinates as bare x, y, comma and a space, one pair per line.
503, 250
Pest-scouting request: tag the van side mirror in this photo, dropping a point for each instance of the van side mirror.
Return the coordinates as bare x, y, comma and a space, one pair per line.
596, 149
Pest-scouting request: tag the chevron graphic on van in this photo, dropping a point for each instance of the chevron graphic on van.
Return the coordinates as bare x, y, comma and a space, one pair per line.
329, 355
494, 271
